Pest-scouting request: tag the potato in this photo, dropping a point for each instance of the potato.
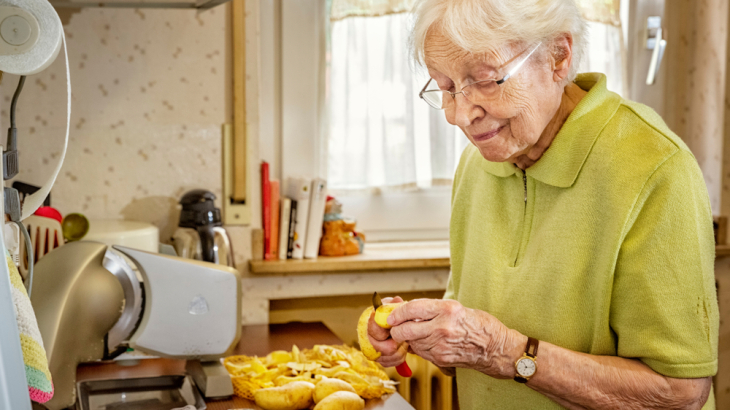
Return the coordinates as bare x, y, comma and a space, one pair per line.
292, 396
328, 386
362, 335
341, 400
382, 313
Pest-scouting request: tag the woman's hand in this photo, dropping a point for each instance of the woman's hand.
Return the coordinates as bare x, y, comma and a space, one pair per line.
392, 353
451, 335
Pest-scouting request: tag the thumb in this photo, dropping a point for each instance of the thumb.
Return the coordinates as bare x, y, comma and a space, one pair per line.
415, 310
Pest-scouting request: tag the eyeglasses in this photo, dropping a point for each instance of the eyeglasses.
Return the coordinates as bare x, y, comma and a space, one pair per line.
478, 91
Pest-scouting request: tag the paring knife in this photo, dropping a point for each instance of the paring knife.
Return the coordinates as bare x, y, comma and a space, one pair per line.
402, 368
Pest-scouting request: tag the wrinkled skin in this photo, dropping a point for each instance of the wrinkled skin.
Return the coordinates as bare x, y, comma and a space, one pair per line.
530, 108
447, 334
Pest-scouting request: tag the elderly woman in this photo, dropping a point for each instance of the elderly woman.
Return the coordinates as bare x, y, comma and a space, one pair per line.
581, 242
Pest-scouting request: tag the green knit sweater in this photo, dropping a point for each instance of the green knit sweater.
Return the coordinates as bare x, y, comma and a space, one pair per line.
612, 252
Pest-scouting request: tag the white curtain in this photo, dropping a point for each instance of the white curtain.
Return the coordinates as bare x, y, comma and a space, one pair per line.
606, 54
382, 136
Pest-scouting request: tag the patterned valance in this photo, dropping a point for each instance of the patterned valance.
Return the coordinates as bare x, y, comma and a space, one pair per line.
342, 9
601, 11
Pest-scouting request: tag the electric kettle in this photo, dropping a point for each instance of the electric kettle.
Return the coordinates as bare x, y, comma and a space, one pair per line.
200, 234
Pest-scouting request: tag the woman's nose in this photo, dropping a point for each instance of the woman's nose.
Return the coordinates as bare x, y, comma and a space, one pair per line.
465, 112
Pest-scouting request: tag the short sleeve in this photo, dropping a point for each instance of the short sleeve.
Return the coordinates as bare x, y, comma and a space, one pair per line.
450, 294
664, 304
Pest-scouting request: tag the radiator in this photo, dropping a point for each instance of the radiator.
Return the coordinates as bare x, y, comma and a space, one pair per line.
428, 388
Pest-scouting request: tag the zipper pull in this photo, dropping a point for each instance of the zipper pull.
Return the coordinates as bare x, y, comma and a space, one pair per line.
524, 181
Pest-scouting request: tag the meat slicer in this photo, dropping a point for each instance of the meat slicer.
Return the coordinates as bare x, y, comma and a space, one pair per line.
91, 304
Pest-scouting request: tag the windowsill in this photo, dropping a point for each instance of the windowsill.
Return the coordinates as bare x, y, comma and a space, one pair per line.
377, 257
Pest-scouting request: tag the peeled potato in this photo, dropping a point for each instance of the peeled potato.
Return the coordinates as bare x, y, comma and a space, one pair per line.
362, 336
292, 396
328, 386
278, 357
341, 400
382, 313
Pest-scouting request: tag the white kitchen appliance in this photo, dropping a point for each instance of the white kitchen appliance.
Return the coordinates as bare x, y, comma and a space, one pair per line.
91, 305
132, 234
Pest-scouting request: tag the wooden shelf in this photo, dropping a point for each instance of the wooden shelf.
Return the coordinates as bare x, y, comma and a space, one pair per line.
377, 257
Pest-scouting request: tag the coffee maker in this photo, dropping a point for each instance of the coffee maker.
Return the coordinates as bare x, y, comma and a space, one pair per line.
201, 234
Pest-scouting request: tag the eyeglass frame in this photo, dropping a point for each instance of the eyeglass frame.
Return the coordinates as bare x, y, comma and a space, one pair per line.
498, 82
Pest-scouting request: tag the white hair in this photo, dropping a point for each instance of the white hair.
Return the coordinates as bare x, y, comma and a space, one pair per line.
483, 26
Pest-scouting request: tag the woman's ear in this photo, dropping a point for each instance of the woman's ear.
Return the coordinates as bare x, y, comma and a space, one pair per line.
562, 56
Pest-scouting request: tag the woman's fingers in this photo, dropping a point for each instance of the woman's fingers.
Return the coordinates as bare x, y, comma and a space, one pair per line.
376, 332
392, 353
398, 356
412, 331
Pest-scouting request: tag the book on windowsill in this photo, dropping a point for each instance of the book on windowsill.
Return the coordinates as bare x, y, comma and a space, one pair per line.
316, 218
275, 209
266, 207
285, 216
299, 189
290, 234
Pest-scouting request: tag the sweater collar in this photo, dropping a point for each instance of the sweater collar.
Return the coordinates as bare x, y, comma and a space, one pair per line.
563, 160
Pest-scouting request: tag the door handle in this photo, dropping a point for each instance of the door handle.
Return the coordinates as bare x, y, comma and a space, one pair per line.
656, 57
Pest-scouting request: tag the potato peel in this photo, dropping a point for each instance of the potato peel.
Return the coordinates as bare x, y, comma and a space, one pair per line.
367, 378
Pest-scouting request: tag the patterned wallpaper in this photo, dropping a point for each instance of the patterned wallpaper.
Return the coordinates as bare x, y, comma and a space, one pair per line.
150, 92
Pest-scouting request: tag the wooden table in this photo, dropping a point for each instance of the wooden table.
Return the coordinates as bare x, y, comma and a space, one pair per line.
256, 340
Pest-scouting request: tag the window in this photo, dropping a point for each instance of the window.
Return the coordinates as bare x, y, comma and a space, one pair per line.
389, 155
350, 113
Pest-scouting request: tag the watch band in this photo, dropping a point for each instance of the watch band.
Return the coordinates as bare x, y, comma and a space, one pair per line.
531, 352
531, 349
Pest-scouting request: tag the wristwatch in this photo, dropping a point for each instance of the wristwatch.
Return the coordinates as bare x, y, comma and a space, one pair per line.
526, 365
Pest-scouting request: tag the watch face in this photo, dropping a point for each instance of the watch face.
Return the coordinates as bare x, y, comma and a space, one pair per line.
526, 367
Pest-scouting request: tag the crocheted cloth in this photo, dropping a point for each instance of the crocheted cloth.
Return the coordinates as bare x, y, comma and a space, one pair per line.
40, 385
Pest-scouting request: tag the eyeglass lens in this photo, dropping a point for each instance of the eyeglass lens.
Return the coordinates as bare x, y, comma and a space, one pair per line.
482, 91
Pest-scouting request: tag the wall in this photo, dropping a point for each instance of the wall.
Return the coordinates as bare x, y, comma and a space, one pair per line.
697, 33
151, 89
689, 92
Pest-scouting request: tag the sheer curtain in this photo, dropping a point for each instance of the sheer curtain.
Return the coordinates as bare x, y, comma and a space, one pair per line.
606, 51
380, 136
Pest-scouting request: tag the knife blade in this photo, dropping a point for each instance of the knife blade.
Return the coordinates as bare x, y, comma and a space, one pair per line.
376, 301
402, 368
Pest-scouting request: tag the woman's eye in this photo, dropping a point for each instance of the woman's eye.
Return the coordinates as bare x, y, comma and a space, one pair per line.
485, 86
447, 87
